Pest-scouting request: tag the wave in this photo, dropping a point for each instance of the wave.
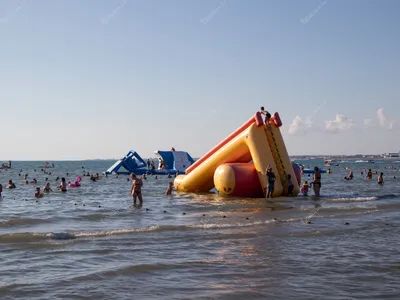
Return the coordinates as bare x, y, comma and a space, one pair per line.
34, 237
21, 222
388, 196
362, 199
355, 199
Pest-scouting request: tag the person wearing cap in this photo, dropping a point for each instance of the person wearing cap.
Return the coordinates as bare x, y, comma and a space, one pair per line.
271, 182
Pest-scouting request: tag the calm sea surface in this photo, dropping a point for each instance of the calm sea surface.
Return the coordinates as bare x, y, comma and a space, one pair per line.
90, 243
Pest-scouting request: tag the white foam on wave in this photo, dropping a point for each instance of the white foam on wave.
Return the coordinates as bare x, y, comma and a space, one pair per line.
83, 234
116, 232
225, 225
355, 199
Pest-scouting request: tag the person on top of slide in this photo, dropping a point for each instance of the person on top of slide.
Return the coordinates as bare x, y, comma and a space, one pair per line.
266, 114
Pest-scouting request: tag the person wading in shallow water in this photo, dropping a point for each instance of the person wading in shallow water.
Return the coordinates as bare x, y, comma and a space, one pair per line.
380, 179
136, 189
271, 182
317, 182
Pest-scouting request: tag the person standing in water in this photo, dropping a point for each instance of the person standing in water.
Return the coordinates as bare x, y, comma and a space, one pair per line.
369, 174
63, 185
317, 182
271, 182
1, 189
380, 179
148, 164
169, 188
136, 189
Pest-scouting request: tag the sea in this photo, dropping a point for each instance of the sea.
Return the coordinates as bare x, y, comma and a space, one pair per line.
92, 243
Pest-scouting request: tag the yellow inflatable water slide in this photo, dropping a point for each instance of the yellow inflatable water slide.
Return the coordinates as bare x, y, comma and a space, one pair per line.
237, 165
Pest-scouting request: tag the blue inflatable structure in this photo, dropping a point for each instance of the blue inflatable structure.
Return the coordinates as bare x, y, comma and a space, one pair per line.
308, 171
311, 171
169, 162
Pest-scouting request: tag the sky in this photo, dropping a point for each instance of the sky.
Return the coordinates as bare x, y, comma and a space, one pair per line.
94, 79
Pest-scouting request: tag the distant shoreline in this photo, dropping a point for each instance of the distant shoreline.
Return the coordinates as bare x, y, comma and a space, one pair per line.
302, 156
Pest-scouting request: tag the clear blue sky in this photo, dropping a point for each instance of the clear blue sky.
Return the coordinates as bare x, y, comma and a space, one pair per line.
94, 79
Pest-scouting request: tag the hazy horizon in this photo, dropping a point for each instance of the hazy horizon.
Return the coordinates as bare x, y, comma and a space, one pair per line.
154, 157
88, 80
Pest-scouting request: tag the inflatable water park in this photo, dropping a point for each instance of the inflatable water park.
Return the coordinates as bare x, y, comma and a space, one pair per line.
237, 165
169, 162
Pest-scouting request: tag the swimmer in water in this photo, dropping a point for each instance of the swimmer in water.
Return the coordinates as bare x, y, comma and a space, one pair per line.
47, 188
38, 193
1, 190
10, 185
350, 176
169, 188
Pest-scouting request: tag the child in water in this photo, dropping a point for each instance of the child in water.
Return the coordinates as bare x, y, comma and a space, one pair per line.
169, 188
38, 193
304, 188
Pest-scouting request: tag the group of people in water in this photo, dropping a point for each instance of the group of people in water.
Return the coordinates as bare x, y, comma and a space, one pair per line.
315, 183
136, 187
38, 192
289, 186
368, 175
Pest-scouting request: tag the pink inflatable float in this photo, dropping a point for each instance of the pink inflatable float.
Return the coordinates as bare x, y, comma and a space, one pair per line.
77, 182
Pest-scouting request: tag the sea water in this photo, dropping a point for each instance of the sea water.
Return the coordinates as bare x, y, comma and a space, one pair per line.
91, 243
